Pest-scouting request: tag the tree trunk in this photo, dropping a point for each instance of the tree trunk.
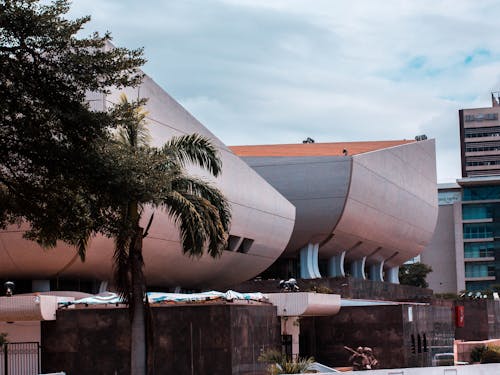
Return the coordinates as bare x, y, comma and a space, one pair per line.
138, 323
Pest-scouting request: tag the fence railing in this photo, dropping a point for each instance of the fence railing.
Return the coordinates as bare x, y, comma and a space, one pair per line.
20, 358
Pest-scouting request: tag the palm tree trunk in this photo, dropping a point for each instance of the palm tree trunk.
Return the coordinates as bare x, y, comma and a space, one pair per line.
138, 323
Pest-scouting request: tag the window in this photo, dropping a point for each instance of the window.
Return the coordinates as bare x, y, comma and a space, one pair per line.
475, 212
245, 245
479, 269
479, 249
481, 230
481, 193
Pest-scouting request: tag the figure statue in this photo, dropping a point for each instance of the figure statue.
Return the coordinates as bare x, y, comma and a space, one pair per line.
362, 358
289, 286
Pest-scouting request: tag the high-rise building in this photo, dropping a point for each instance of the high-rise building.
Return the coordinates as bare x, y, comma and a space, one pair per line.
480, 139
465, 249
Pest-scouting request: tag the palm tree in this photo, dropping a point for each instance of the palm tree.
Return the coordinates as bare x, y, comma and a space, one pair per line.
158, 179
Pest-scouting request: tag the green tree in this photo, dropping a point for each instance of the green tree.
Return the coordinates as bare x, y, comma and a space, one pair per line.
200, 210
52, 146
62, 169
414, 274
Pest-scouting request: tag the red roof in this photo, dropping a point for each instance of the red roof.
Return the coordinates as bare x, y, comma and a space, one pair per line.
315, 149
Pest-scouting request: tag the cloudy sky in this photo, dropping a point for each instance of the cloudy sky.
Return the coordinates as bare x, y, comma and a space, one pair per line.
279, 71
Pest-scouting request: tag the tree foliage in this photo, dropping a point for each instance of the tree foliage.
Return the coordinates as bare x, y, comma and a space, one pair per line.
52, 154
414, 274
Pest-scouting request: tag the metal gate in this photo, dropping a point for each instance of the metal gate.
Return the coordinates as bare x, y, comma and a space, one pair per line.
20, 358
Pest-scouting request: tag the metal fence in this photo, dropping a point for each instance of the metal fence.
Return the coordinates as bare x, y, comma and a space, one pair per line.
20, 358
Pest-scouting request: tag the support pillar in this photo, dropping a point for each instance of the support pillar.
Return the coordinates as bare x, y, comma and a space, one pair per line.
336, 265
377, 271
309, 262
393, 275
358, 268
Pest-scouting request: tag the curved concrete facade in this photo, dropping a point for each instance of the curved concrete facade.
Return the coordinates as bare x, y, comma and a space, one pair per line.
377, 207
261, 226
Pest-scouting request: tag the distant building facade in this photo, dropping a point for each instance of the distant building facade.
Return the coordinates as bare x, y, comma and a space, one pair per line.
465, 249
480, 139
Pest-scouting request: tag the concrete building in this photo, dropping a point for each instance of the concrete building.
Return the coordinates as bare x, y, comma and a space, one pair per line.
363, 208
262, 222
480, 139
465, 249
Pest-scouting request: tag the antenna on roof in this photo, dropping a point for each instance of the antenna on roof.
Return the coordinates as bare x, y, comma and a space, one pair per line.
308, 140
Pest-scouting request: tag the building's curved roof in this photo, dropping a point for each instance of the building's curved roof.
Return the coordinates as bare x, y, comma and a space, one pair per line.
379, 201
315, 149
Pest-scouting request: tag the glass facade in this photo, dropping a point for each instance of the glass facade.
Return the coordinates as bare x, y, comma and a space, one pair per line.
481, 193
489, 213
486, 269
477, 211
479, 249
478, 230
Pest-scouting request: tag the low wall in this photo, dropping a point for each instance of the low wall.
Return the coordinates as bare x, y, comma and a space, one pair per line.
347, 287
487, 369
464, 348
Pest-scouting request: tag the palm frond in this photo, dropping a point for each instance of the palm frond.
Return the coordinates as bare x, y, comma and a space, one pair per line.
190, 220
195, 149
131, 123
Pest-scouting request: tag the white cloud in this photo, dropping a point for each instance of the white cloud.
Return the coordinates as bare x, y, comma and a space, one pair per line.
277, 71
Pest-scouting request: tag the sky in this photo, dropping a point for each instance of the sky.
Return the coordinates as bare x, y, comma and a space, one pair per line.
279, 71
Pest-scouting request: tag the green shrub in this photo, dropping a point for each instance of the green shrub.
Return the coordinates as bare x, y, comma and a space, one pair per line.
279, 363
476, 354
491, 354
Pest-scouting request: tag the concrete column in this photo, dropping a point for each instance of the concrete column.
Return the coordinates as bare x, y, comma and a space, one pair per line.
377, 271
315, 257
358, 268
393, 275
336, 265
103, 286
40, 285
309, 262
290, 326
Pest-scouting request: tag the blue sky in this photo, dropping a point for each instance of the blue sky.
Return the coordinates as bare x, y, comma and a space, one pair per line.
279, 71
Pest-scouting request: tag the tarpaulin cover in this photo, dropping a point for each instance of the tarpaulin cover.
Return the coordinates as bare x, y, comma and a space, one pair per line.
155, 297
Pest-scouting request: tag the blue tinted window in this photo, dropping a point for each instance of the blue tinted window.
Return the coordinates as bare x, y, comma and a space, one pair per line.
479, 230
479, 269
479, 249
481, 193
474, 212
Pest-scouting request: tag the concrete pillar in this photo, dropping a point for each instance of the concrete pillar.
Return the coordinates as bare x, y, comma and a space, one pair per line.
336, 265
40, 285
290, 325
309, 262
103, 286
358, 268
393, 275
377, 271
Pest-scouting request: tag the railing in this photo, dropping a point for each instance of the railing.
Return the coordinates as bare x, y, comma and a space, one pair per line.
20, 358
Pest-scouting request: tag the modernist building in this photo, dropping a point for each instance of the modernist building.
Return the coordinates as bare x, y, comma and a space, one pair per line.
262, 222
363, 208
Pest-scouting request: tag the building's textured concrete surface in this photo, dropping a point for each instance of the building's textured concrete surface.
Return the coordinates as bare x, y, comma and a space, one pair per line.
259, 213
380, 204
195, 339
440, 253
